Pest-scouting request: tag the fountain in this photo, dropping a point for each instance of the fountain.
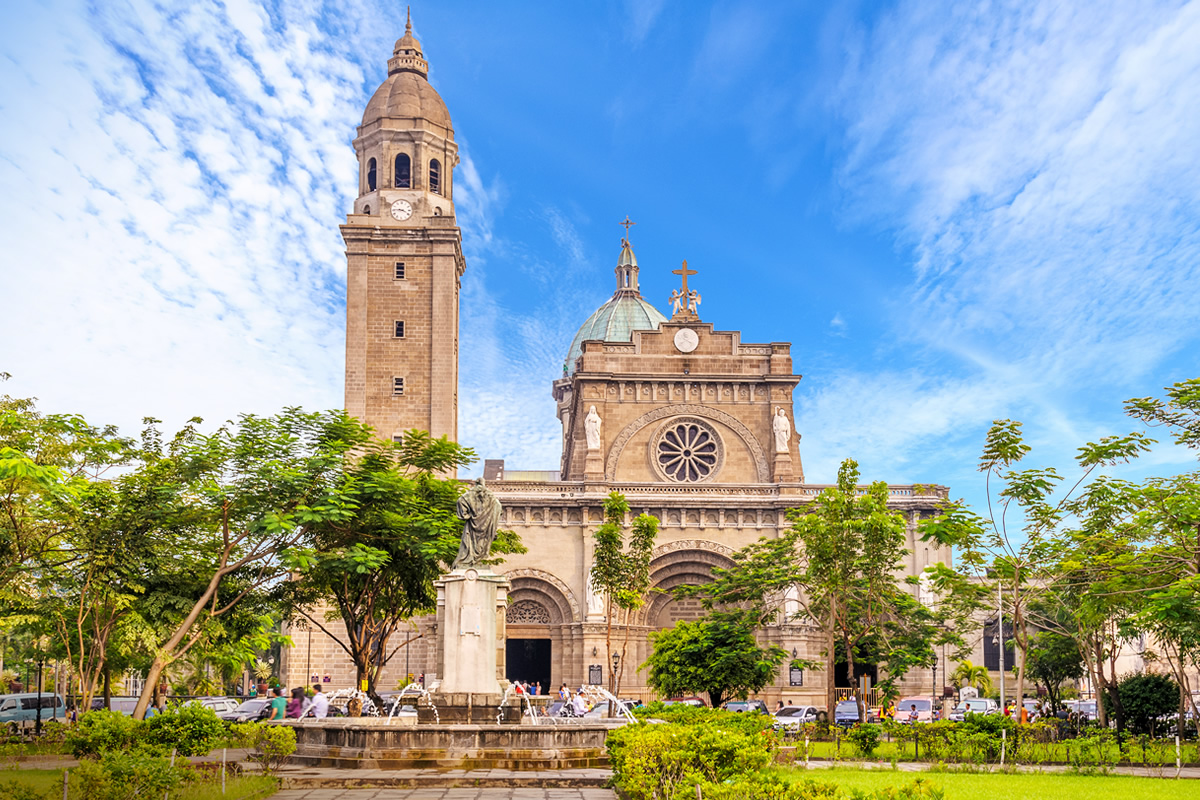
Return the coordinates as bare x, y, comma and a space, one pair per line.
465, 723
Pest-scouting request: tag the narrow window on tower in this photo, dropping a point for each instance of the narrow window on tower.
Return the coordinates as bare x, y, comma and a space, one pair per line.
403, 171
371, 175
435, 176
399, 329
399, 270
397, 387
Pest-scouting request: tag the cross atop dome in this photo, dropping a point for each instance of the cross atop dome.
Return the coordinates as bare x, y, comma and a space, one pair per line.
627, 266
684, 301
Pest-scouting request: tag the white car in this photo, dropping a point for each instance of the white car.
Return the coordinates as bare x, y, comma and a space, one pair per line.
974, 705
219, 705
792, 717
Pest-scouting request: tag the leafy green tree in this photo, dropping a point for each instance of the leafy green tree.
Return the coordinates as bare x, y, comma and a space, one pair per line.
374, 567
46, 461
718, 655
240, 499
1020, 543
1054, 658
851, 547
622, 573
1145, 697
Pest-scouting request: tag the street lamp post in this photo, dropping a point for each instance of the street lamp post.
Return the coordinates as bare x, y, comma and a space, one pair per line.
935, 683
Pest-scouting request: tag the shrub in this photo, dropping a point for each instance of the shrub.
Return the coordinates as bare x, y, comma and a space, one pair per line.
15, 790
98, 732
864, 737
126, 776
272, 744
654, 760
190, 729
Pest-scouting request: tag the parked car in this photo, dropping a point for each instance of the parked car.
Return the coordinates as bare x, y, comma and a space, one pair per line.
973, 705
121, 705
20, 711
698, 702
255, 708
741, 706
792, 717
845, 713
925, 709
219, 705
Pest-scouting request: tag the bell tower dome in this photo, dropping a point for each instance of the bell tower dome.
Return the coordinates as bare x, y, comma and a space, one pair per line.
404, 256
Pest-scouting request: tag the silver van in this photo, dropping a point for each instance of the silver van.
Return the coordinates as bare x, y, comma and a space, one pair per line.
19, 711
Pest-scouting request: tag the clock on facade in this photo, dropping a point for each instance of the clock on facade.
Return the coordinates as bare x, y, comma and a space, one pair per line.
401, 209
686, 340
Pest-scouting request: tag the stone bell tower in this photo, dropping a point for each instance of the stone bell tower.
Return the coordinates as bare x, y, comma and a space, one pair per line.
404, 257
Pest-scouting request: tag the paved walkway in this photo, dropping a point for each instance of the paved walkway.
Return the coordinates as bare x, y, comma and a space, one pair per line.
438, 780
445, 794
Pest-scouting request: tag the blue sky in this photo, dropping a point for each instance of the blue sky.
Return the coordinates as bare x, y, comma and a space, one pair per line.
955, 212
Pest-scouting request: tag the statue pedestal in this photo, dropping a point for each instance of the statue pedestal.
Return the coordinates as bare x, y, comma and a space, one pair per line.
470, 612
782, 471
593, 466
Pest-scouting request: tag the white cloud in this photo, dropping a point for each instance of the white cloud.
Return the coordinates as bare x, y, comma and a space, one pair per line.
1039, 161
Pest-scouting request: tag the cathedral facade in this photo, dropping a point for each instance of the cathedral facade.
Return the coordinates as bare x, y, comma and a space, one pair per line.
691, 424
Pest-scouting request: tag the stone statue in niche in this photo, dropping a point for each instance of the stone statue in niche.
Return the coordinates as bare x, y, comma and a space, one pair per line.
782, 430
591, 427
595, 598
479, 510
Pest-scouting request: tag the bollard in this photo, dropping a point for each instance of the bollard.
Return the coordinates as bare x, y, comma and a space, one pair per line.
806, 749
168, 791
66, 772
698, 795
1178, 760
224, 750
1003, 744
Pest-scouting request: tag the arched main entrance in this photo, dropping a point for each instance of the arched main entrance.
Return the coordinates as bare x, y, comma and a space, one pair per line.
541, 610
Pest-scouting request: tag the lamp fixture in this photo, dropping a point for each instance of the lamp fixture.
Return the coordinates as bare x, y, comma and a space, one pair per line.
595, 652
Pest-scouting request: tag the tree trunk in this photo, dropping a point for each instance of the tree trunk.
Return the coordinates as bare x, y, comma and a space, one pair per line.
107, 689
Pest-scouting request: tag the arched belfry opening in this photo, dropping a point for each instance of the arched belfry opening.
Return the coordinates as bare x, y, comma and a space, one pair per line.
403, 177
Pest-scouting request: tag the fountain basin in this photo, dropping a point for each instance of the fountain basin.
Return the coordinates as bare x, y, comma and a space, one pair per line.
365, 743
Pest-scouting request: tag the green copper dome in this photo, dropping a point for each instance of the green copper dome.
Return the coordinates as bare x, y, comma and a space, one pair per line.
624, 313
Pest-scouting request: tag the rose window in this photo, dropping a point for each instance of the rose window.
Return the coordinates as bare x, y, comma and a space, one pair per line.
687, 451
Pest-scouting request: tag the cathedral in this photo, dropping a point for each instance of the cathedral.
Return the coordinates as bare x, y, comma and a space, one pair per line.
691, 424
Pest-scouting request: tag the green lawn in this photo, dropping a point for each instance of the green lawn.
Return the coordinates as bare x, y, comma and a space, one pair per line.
964, 786
50, 780
1048, 753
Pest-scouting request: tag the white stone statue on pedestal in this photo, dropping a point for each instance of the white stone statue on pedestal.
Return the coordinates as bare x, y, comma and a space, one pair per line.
782, 430
591, 426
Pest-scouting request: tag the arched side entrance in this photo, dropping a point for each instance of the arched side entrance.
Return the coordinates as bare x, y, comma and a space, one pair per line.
691, 566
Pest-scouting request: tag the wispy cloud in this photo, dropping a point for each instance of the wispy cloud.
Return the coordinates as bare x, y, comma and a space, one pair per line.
1037, 158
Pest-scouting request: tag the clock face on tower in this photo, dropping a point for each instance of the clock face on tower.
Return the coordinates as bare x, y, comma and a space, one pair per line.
402, 210
686, 340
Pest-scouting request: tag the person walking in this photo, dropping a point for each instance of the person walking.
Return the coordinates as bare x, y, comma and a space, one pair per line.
320, 703
278, 704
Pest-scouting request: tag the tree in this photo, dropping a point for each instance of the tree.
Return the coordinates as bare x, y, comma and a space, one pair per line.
1054, 658
967, 674
718, 655
852, 546
1023, 558
839, 562
46, 460
240, 499
1146, 697
376, 565
622, 574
